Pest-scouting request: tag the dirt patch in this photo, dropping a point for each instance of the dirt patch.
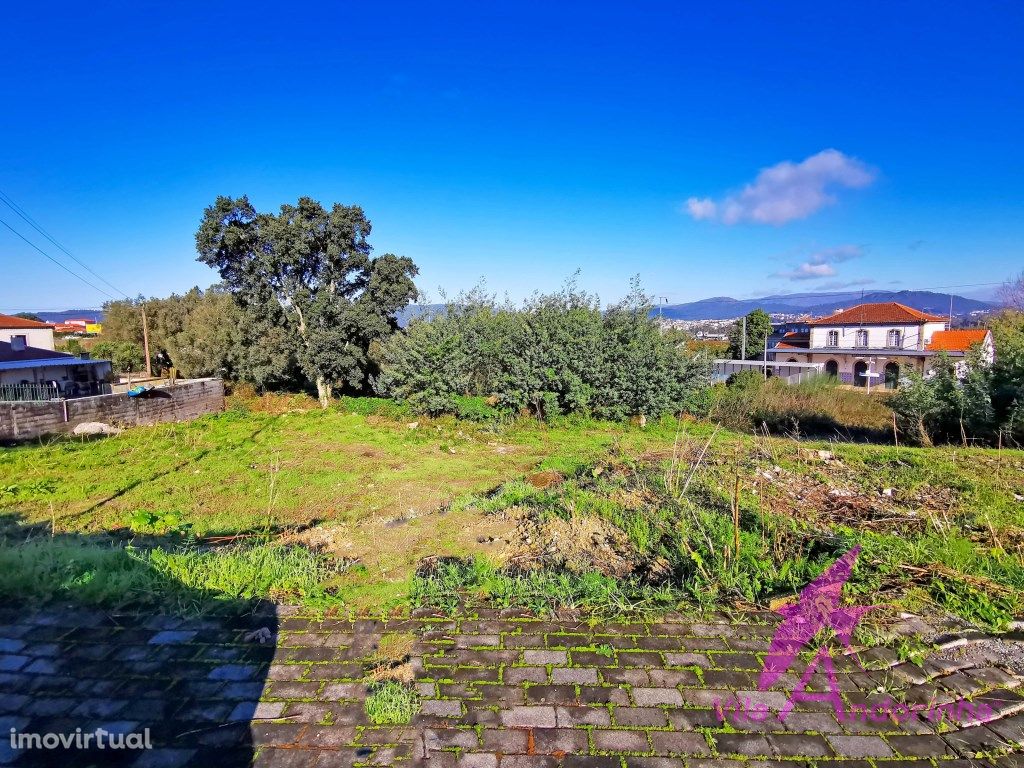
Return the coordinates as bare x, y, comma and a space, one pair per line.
543, 480
577, 545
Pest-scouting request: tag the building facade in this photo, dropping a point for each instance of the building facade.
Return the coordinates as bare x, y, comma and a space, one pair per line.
31, 369
873, 345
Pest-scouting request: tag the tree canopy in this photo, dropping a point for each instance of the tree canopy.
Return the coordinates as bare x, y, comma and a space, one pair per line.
308, 273
759, 326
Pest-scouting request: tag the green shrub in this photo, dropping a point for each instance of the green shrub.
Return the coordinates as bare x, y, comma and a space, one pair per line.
558, 354
375, 406
471, 408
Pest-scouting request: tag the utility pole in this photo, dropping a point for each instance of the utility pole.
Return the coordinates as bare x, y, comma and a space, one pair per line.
145, 343
743, 340
765, 358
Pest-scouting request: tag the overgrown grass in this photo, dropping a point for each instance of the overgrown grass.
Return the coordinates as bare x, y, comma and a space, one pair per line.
382, 498
391, 703
818, 407
456, 584
182, 579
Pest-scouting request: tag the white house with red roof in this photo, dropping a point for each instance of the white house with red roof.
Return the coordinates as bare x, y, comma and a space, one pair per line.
875, 344
31, 369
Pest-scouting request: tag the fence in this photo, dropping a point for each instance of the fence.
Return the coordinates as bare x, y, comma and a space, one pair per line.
25, 393
791, 373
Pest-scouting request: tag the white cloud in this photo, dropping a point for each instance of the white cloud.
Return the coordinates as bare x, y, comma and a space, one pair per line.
701, 209
808, 272
836, 255
819, 264
786, 191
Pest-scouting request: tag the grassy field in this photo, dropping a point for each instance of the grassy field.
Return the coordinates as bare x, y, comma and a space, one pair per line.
364, 507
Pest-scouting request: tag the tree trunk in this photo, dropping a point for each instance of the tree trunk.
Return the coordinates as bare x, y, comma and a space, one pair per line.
323, 391
925, 438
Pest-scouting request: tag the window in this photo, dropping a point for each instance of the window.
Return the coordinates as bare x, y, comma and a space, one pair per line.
832, 369
18, 343
832, 339
861, 338
894, 338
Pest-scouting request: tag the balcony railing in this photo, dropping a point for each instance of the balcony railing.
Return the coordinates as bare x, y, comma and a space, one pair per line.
46, 392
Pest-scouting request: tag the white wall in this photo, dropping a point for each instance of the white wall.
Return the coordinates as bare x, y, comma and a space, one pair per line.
41, 338
911, 336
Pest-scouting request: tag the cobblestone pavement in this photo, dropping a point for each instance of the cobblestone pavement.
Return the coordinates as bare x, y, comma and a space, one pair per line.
496, 692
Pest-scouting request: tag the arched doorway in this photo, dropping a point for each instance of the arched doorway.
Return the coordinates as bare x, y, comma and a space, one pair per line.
892, 375
860, 374
832, 369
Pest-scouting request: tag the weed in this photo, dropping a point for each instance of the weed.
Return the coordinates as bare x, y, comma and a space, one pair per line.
391, 703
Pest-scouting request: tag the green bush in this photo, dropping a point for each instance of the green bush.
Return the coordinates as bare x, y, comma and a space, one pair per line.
558, 354
471, 408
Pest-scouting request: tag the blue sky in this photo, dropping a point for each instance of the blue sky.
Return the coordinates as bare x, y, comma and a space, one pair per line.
715, 149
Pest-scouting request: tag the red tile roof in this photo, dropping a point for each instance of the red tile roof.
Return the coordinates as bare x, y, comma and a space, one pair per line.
784, 345
882, 313
956, 341
10, 321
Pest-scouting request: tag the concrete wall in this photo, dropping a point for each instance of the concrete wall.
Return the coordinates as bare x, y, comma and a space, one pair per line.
189, 399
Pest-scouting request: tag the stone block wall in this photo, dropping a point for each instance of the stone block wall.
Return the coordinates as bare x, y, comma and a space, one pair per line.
185, 401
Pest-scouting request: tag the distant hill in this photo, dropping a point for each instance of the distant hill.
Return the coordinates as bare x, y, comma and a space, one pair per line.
818, 304
70, 314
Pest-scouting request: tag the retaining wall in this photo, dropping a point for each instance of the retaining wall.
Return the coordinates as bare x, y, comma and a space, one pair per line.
186, 400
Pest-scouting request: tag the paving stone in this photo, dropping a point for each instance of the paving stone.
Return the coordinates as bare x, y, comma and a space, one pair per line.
478, 760
528, 761
441, 708
590, 761
859, 746
668, 743
919, 746
751, 744
438, 739
652, 697
517, 675
620, 741
799, 745
576, 675
564, 740
505, 740
171, 636
545, 657
529, 717
551, 694
651, 717
569, 717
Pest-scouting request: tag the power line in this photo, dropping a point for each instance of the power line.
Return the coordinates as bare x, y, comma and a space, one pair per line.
6, 199
73, 274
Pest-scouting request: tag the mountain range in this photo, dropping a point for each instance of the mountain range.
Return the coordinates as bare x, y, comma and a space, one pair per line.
819, 304
720, 307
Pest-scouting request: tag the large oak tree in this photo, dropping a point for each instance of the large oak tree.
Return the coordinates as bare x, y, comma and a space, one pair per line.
310, 270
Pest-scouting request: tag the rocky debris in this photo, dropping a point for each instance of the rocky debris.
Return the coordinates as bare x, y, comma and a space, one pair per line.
96, 428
